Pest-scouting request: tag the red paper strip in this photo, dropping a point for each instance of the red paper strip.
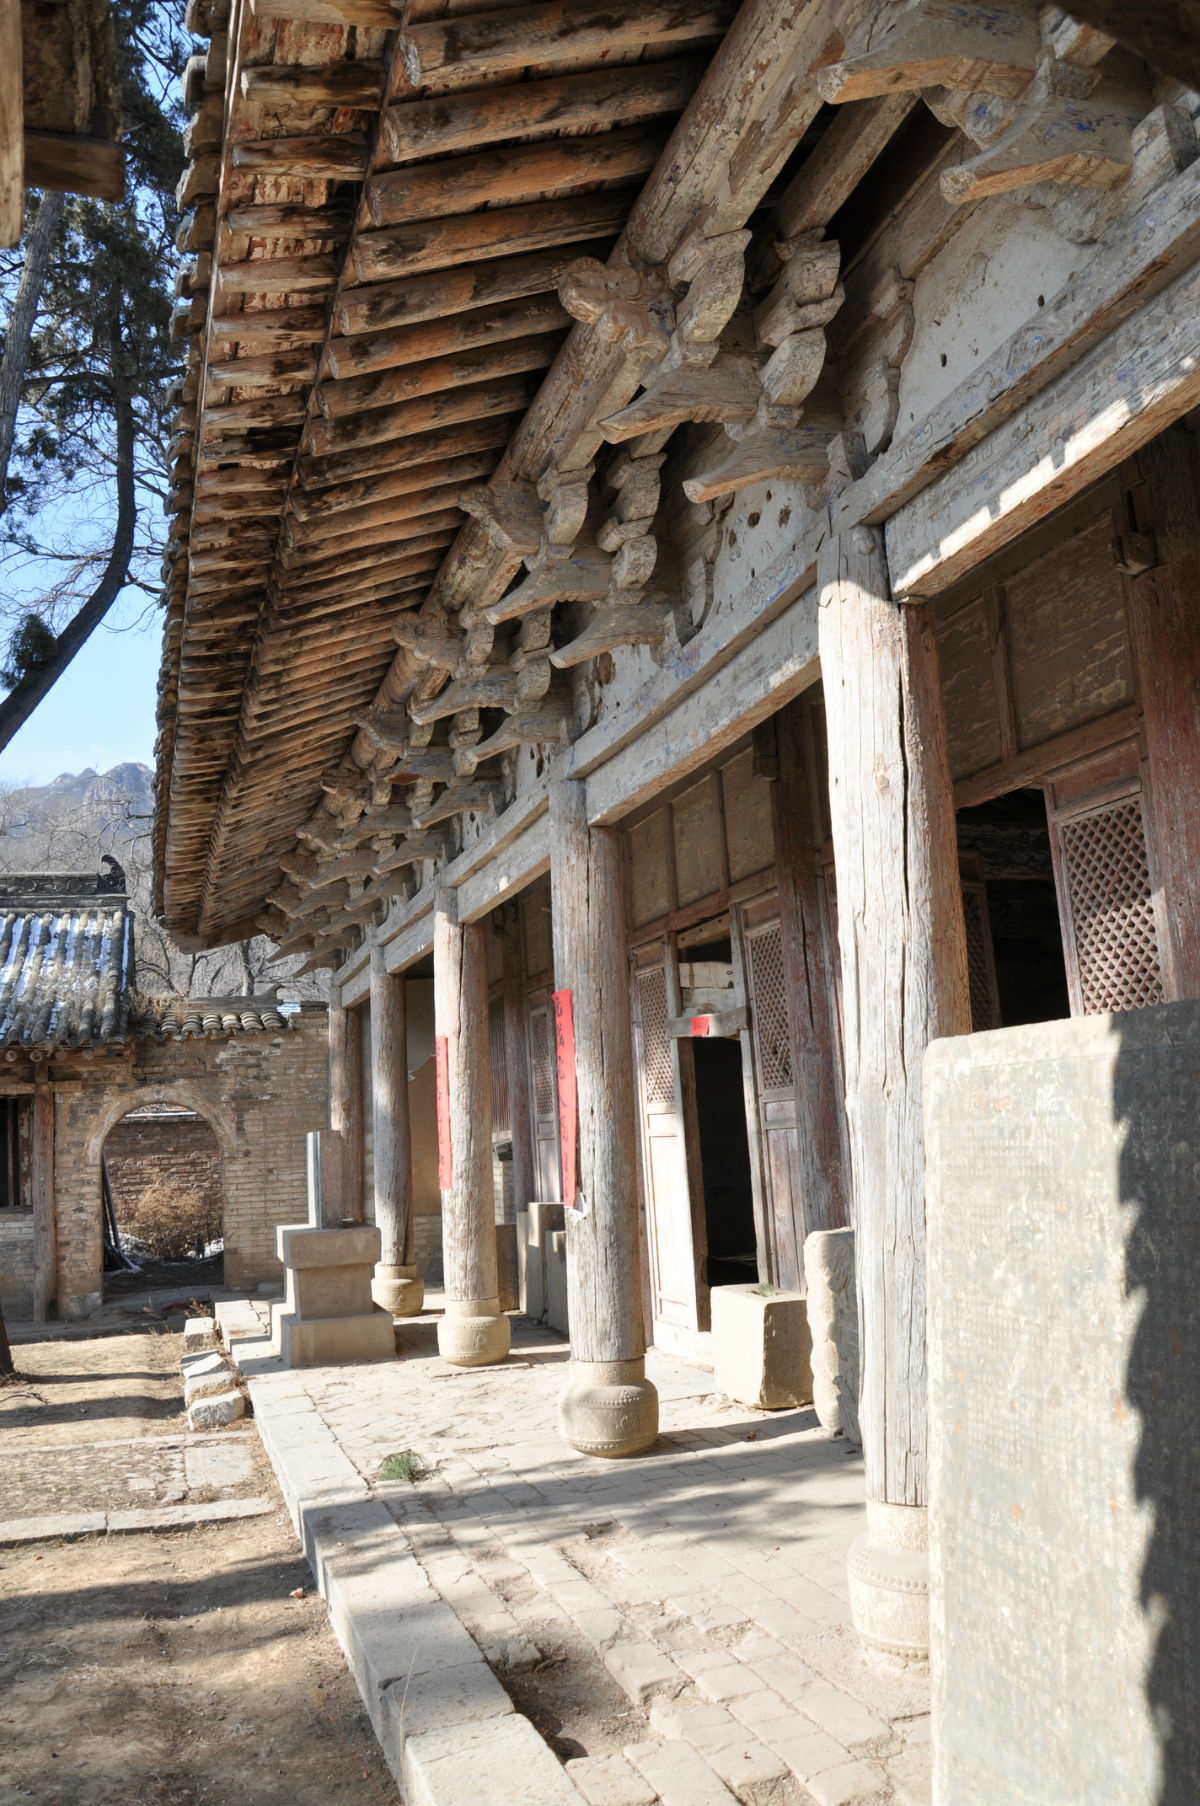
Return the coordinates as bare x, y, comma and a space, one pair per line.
568, 1096
702, 1025
441, 1054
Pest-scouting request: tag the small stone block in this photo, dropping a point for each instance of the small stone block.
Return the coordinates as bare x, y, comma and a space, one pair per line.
610, 1781
809, 1753
698, 1725
678, 1775
198, 1332
327, 1341
441, 1697
729, 1682
300, 1245
207, 1385
642, 1670
761, 1347
215, 1413
846, 1785
745, 1764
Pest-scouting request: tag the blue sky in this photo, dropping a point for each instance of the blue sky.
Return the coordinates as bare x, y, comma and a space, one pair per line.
101, 711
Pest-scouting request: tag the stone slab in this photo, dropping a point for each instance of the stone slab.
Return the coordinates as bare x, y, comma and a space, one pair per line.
198, 1332
331, 1341
1063, 1182
51, 1525
68, 1525
610, 1781
300, 1245
466, 1693
761, 1346
502, 1762
212, 1413
228, 1462
217, 1380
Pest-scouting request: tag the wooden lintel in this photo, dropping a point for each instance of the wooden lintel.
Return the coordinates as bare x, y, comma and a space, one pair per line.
470, 50
1027, 767
73, 164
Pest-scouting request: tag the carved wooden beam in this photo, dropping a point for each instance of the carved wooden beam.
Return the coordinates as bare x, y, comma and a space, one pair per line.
995, 48
617, 624
1059, 135
466, 796
800, 453
584, 576
488, 689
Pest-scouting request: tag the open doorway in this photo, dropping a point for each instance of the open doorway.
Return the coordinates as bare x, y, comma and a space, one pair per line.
1008, 841
706, 976
161, 1200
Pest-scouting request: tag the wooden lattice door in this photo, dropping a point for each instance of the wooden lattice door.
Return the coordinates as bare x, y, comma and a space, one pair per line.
543, 1097
766, 990
1105, 893
981, 956
670, 1230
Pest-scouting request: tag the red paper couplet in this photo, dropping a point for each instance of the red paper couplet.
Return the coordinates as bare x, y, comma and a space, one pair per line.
568, 1097
441, 1053
702, 1025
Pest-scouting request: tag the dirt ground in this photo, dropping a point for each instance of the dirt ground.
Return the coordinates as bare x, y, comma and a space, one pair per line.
157, 1670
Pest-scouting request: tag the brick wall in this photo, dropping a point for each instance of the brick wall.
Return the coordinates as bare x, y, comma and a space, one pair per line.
16, 1263
181, 1151
260, 1094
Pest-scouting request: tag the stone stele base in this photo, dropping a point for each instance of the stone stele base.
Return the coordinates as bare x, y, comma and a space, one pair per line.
761, 1347
608, 1408
473, 1332
888, 1571
326, 1314
399, 1290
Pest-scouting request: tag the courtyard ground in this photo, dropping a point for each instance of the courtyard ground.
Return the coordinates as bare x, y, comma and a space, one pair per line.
159, 1669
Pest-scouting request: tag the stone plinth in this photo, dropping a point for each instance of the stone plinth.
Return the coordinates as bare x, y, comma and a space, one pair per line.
533, 1226
761, 1346
326, 1314
1063, 1197
554, 1257
833, 1326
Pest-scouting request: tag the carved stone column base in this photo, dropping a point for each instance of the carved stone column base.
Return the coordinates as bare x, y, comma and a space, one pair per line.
608, 1408
398, 1289
473, 1333
888, 1571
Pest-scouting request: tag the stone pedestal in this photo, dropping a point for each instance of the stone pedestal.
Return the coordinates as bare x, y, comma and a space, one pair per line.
761, 1346
554, 1257
326, 1314
473, 1332
888, 1572
398, 1290
833, 1326
608, 1408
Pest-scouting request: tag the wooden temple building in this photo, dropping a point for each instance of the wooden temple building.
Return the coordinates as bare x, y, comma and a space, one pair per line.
685, 525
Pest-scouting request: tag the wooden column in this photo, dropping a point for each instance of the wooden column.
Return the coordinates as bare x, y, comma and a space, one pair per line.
41, 1181
516, 1053
902, 945
607, 1407
397, 1286
472, 1333
345, 1105
815, 1061
1166, 634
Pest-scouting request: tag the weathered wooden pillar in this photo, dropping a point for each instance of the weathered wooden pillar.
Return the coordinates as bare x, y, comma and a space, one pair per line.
902, 945
818, 1082
516, 1057
1166, 634
472, 1332
397, 1285
608, 1407
41, 1183
345, 1105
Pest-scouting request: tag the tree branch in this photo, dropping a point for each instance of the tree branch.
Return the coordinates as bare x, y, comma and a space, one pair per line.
20, 326
16, 709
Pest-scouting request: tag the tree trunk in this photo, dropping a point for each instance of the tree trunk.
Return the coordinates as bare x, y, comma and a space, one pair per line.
903, 952
396, 1285
20, 326
607, 1407
16, 709
472, 1332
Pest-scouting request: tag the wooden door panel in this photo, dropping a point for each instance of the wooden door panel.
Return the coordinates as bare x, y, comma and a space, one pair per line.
669, 1229
543, 1098
771, 1039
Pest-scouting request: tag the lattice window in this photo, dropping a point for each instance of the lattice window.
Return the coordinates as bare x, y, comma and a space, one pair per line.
500, 1112
1108, 887
985, 1012
772, 1027
542, 1062
658, 1076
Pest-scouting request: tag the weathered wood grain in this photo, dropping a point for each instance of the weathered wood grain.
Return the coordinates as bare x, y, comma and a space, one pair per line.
391, 1144
460, 1008
438, 244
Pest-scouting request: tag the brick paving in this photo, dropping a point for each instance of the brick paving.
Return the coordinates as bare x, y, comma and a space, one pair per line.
708, 1576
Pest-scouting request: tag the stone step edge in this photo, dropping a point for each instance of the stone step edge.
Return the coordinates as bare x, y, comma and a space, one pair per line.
438, 1760
70, 1525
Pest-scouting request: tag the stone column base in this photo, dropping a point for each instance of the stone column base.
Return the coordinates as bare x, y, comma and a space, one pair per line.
398, 1289
888, 1571
473, 1333
608, 1408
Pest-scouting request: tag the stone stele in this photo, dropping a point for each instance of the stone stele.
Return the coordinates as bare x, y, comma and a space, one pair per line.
1063, 1199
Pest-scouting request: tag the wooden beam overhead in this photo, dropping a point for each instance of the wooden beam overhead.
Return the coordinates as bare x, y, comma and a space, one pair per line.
850, 144
453, 291
526, 314
315, 505
404, 454
484, 46
474, 401
73, 164
291, 219
442, 244
503, 177
364, 394
357, 84
278, 326
338, 159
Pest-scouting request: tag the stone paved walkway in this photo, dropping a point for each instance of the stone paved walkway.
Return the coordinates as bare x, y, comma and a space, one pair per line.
707, 1577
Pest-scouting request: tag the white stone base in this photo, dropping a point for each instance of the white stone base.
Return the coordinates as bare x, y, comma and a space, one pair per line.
473, 1332
888, 1572
761, 1347
326, 1341
608, 1408
399, 1290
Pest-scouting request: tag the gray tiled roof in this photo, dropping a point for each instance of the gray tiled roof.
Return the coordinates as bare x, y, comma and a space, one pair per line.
67, 973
